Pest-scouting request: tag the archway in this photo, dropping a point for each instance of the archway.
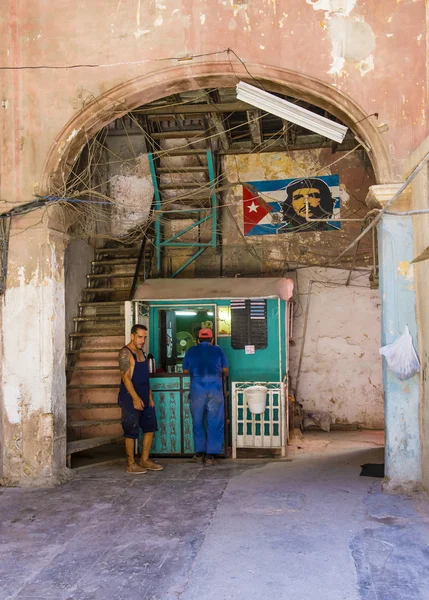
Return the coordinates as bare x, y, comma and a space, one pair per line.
121, 99
128, 96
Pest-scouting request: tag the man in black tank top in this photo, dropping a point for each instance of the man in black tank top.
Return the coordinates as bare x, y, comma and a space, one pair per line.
136, 401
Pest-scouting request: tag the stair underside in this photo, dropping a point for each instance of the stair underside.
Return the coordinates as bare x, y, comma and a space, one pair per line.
109, 368
102, 304
100, 290
114, 263
87, 444
93, 350
90, 405
94, 423
93, 386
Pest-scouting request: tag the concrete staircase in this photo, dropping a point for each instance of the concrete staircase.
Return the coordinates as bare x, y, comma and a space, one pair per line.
93, 378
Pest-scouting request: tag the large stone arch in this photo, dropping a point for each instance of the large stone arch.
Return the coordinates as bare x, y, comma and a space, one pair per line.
158, 84
42, 296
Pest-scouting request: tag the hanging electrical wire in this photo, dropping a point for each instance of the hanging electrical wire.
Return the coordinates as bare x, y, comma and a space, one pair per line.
90, 200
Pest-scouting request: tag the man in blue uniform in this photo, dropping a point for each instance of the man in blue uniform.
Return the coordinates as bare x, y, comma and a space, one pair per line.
136, 401
206, 363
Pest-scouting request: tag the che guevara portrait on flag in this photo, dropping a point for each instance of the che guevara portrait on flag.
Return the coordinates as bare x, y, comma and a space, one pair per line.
291, 205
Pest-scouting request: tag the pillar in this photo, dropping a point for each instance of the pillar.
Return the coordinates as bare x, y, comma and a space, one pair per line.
398, 309
33, 386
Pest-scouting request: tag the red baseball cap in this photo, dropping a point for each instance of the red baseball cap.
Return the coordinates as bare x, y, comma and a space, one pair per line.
205, 333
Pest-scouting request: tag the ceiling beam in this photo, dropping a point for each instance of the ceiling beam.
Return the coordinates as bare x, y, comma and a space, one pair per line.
255, 127
215, 121
194, 109
302, 143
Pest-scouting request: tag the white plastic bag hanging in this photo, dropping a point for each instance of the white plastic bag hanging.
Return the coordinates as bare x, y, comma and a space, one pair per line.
401, 356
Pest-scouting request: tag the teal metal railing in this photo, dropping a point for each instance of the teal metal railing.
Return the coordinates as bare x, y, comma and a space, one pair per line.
172, 242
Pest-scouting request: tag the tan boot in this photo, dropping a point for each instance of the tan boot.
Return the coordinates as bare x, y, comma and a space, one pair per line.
136, 469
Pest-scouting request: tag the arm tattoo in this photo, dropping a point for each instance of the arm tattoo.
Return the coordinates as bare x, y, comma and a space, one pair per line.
124, 360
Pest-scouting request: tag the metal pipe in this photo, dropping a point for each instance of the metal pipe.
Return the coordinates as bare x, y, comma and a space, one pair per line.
213, 197
4, 250
157, 206
304, 333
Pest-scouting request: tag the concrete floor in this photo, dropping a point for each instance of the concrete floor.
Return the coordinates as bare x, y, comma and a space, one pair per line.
308, 528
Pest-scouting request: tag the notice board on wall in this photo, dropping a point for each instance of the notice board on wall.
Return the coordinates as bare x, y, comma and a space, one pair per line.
248, 323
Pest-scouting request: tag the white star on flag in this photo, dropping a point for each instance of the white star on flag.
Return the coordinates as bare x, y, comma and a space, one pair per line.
253, 207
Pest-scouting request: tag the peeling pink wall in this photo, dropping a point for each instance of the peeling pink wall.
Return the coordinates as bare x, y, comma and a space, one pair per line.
370, 50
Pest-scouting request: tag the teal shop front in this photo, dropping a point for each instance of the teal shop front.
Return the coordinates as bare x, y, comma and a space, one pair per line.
250, 321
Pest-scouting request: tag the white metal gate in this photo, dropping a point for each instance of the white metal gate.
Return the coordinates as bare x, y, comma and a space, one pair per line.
267, 430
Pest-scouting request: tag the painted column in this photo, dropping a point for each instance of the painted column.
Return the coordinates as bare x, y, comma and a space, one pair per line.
398, 309
33, 387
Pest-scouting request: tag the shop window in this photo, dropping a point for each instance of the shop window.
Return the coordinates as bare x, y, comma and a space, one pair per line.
178, 331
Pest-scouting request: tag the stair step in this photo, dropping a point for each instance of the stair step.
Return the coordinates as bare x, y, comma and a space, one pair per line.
184, 185
92, 386
119, 250
90, 405
103, 290
100, 319
97, 334
181, 214
110, 368
94, 423
161, 135
92, 350
180, 152
182, 199
80, 445
109, 275
116, 261
107, 303
202, 169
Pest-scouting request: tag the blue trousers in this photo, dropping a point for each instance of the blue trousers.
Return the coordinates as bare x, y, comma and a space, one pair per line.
207, 410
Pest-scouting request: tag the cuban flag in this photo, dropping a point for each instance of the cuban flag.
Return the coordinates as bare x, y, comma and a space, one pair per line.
264, 206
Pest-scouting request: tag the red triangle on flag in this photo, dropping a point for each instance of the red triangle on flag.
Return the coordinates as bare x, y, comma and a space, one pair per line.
254, 209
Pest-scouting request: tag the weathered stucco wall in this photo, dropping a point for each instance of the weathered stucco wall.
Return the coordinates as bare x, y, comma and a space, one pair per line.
33, 357
77, 264
130, 182
340, 370
357, 46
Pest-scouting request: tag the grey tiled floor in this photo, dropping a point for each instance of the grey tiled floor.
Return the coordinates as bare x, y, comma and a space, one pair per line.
304, 529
